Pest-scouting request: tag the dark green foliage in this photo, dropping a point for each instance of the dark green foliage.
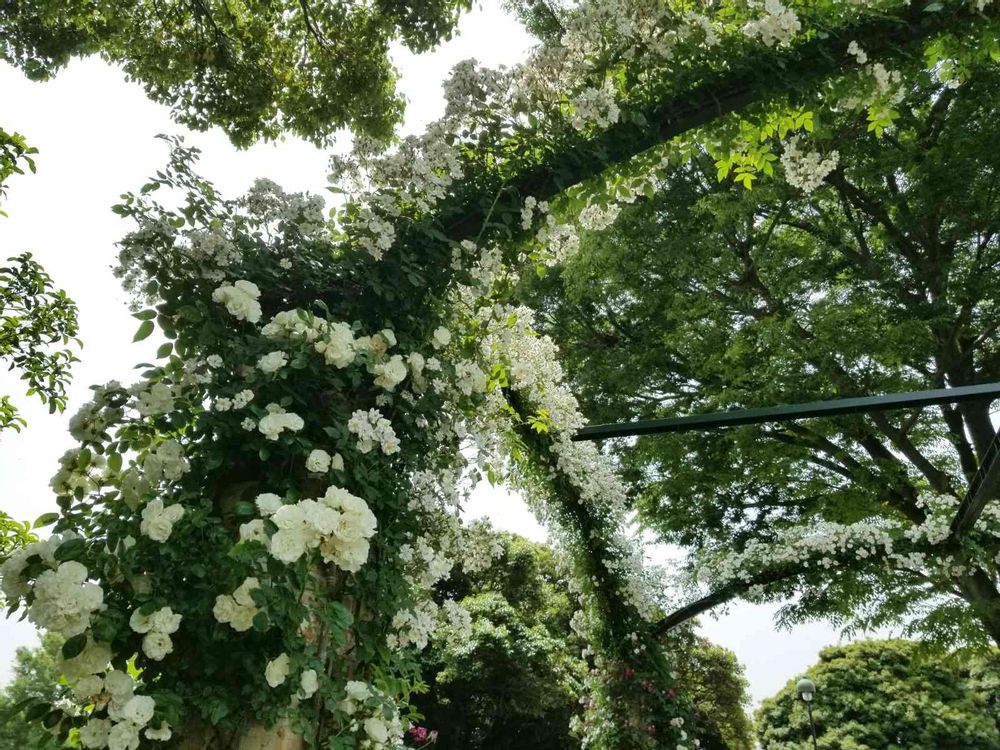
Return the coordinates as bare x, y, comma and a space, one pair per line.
883, 695
255, 69
515, 682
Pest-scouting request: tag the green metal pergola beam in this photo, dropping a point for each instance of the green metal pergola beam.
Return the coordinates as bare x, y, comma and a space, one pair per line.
792, 412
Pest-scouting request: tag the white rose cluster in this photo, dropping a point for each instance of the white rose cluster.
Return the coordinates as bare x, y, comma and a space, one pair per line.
373, 429
157, 627
165, 462
806, 170
414, 627
776, 27
64, 600
240, 300
277, 420
158, 520
237, 609
595, 105
128, 715
12, 582
381, 733
339, 524
157, 398
390, 373
94, 418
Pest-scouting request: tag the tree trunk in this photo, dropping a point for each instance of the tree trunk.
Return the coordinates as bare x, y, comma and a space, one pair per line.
981, 592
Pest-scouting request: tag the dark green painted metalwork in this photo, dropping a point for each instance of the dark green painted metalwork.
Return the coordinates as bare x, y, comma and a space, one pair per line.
791, 412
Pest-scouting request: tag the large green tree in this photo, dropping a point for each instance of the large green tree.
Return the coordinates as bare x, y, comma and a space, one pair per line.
712, 297
35, 675
255, 69
515, 683
882, 695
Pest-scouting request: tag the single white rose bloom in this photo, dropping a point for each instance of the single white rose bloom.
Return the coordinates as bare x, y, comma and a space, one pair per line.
357, 690
94, 734
272, 362
308, 684
376, 729
253, 531
276, 671
161, 734
441, 337
124, 736
268, 503
157, 645
139, 710
318, 461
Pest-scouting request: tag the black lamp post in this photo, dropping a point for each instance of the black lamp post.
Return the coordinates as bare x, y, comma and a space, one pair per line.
807, 690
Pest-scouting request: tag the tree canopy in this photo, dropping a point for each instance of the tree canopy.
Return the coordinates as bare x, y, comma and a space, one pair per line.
882, 695
515, 682
871, 276
255, 69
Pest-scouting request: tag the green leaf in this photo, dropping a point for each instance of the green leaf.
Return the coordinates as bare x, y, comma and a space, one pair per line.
144, 330
164, 350
244, 508
45, 520
74, 646
145, 315
70, 550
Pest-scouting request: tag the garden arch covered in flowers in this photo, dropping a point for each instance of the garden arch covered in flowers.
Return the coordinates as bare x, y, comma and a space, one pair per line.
250, 535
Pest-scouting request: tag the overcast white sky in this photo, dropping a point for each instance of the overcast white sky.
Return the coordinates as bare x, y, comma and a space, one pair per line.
95, 135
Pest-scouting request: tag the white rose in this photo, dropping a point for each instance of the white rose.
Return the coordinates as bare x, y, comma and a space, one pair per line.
287, 545
240, 300
272, 362
157, 645
337, 462
89, 686
390, 374
139, 710
243, 595
243, 619
441, 337
253, 531
339, 348
357, 690
318, 462
161, 734
165, 620
276, 671
308, 684
224, 609
268, 503
389, 336
119, 685
139, 622
375, 728
94, 658
94, 734
124, 736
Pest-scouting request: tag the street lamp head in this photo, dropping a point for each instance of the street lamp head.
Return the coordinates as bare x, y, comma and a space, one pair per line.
806, 689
